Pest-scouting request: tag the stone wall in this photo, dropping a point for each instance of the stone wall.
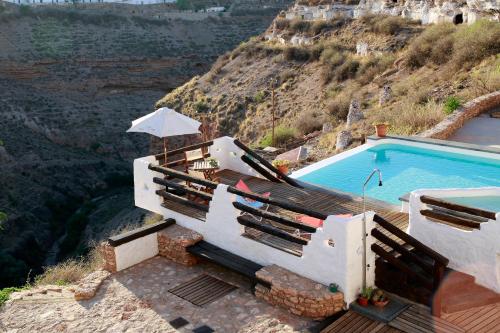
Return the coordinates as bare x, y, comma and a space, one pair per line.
108, 253
172, 243
456, 120
298, 294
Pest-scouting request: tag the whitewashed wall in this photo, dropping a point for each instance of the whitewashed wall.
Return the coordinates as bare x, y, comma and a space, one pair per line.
136, 251
474, 252
229, 156
341, 264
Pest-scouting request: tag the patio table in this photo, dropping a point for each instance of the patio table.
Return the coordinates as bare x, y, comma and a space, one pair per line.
208, 170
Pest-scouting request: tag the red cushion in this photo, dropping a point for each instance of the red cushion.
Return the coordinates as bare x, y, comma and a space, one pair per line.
242, 186
312, 221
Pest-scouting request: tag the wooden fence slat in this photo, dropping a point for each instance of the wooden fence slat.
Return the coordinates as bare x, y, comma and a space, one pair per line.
459, 208
249, 222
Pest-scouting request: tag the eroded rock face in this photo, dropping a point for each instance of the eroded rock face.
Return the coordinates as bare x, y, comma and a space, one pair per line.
385, 95
355, 114
432, 11
344, 139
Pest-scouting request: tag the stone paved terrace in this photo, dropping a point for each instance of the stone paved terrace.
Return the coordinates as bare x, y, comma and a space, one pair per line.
137, 300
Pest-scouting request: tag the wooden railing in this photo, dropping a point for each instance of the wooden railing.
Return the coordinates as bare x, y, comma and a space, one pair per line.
264, 164
410, 252
181, 161
182, 190
282, 220
440, 210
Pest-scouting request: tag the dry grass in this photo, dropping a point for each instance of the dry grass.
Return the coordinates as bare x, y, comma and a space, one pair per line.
308, 122
415, 118
70, 271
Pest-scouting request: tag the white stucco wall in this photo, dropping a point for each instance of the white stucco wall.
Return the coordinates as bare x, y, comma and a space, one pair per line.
474, 252
136, 251
341, 264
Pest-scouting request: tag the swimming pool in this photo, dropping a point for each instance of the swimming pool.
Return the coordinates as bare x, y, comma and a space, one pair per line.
405, 168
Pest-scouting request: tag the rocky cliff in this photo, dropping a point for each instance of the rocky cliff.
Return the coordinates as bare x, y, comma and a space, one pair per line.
71, 80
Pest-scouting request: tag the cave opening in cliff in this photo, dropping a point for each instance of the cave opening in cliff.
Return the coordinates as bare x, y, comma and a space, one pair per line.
458, 19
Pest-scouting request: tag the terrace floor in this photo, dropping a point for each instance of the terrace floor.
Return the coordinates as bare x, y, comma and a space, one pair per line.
314, 199
137, 299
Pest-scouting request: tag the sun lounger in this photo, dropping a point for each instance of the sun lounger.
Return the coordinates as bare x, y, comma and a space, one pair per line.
251, 202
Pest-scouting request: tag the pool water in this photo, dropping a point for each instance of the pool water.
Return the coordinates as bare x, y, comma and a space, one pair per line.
405, 169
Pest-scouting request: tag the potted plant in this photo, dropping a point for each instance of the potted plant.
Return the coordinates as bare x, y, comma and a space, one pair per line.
364, 296
212, 162
379, 299
282, 165
381, 129
333, 287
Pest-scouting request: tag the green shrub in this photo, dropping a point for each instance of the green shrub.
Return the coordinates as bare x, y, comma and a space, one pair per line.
374, 66
282, 135
347, 70
259, 97
201, 107
3, 218
25, 10
5, 293
451, 104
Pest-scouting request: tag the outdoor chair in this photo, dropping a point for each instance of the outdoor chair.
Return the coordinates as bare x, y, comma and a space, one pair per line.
192, 156
242, 186
201, 175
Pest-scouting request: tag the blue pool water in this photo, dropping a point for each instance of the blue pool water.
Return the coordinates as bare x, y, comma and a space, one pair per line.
405, 169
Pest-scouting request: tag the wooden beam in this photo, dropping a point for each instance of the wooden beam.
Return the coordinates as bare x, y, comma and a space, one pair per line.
183, 149
459, 208
183, 176
260, 169
268, 165
401, 249
182, 201
401, 265
450, 218
274, 217
285, 204
251, 223
410, 240
140, 232
201, 194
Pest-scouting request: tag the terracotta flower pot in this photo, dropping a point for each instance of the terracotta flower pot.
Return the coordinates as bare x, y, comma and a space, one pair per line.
381, 130
283, 169
362, 301
380, 304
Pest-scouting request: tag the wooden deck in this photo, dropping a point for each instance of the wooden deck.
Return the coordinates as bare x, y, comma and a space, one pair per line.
315, 199
417, 319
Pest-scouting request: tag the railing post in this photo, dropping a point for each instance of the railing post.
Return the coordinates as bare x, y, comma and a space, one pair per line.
438, 292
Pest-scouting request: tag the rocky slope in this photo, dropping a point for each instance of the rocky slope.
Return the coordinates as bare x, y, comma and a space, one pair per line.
71, 80
395, 69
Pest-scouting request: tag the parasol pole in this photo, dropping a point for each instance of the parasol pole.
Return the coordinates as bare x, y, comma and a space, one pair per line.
165, 149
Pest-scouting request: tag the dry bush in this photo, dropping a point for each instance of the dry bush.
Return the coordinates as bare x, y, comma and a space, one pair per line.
390, 25
282, 24
286, 75
308, 122
293, 53
347, 70
373, 67
475, 42
338, 107
298, 25
422, 48
413, 118
70, 271
152, 219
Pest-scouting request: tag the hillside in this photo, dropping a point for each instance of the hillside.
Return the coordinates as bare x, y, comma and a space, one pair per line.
321, 66
71, 80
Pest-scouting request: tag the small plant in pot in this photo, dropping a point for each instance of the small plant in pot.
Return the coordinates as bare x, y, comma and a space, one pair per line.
381, 129
282, 165
333, 287
364, 296
379, 299
212, 162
